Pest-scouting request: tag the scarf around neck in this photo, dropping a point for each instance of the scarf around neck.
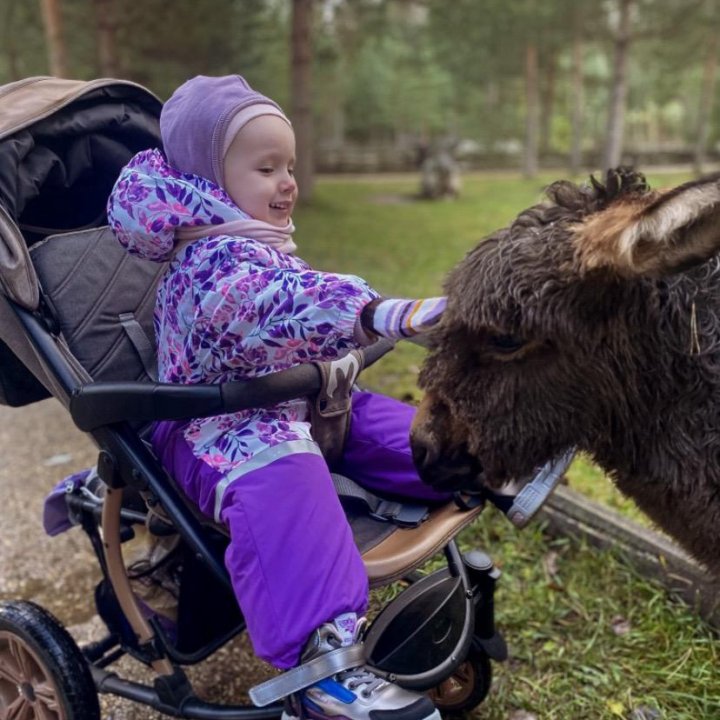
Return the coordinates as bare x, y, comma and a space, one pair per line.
155, 210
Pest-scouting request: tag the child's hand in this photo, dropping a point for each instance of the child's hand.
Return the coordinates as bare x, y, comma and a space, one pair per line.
397, 319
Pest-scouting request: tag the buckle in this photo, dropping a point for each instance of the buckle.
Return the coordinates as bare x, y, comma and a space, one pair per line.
469, 500
401, 514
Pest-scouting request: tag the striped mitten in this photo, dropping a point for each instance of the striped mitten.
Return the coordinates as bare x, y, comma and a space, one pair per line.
397, 319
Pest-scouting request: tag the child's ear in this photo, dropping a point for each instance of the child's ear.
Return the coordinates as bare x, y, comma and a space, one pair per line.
656, 233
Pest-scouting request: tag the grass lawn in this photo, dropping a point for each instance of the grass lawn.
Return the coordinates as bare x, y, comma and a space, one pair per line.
589, 639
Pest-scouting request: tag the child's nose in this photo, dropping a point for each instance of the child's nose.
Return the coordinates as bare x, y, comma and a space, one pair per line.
288, 183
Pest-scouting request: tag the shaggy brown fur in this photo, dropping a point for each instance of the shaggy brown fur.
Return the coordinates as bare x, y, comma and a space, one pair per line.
559, 334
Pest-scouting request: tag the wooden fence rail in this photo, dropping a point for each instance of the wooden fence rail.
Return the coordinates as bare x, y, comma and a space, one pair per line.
570, 513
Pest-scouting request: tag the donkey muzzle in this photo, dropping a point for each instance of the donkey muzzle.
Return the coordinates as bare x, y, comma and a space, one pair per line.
444, 466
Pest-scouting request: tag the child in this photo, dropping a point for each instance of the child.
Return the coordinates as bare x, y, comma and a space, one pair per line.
236, 303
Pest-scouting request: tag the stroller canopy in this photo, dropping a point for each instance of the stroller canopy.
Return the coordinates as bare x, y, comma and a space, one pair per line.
62, 146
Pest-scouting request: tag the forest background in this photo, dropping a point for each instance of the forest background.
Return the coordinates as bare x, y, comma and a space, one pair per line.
372, 84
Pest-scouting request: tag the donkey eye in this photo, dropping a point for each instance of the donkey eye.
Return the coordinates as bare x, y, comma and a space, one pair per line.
505, 344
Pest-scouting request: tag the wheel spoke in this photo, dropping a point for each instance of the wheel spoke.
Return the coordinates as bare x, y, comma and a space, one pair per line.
9, 670
9, 673
440, 691
47, 696
457, 688
446, 689
464, 675
22, 658
18, 667
17, 710
43, 712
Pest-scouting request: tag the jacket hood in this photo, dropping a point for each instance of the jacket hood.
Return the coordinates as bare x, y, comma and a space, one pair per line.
151, 200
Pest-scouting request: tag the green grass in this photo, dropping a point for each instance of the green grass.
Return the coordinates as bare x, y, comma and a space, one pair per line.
558, 601
590, 480
589, 638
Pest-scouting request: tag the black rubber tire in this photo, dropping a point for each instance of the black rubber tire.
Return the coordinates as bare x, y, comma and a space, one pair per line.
42, 668
466, 688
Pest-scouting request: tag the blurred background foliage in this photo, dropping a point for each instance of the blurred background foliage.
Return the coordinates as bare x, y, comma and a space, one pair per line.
517, 84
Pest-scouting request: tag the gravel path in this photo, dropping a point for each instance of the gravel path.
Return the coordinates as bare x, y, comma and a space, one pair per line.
39, 446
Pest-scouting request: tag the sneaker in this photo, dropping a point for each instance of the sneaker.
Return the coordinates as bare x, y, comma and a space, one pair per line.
356, 694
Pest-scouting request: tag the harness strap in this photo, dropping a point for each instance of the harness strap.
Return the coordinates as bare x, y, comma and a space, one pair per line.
144, 347
292, 681
402, 514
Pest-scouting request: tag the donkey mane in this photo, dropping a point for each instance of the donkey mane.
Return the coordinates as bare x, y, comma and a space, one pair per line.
567, 200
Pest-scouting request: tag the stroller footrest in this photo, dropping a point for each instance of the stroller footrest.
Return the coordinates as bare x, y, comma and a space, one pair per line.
292, 681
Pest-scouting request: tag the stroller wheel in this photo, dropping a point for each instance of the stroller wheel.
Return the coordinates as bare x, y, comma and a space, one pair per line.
43, 674
466, 688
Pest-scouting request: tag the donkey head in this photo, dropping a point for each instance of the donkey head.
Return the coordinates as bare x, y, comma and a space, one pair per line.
559, 331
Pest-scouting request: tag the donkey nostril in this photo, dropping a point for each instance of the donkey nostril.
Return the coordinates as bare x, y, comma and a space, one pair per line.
423, 453
419, 453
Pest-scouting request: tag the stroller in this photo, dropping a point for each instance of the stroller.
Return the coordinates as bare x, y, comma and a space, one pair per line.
75, 323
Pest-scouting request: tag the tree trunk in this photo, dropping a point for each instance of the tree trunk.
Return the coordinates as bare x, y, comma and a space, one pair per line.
105, 30
532, 110
548, 104
707, 96
54, 37
10, 45
618, 91
577, 99
301, 95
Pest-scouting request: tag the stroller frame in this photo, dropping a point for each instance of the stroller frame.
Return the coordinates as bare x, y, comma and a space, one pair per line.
125, 463
455, 603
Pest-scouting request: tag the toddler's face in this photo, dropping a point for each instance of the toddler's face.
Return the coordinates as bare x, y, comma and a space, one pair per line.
259, 170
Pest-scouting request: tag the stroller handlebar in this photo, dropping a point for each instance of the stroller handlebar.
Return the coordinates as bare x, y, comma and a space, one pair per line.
104, 403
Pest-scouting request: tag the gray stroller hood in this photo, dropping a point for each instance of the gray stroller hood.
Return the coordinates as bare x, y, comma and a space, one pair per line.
62, 146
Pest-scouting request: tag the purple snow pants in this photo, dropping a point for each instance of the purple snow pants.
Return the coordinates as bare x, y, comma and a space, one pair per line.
291, 558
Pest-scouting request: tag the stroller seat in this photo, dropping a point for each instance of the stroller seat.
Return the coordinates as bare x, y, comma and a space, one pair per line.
103, 299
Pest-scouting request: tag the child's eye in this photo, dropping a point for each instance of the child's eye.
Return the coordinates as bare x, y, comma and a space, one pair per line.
266, 170
291, 171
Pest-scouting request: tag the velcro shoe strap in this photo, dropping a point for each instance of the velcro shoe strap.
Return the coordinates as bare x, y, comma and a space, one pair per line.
307, 674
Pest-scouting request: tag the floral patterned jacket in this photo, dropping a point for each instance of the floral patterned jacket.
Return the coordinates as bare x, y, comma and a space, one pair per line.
230, 308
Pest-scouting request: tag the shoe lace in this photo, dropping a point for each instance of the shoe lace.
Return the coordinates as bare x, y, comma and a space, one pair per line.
361, 676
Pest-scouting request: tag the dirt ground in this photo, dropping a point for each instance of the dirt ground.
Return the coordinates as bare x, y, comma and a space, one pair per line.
40, 446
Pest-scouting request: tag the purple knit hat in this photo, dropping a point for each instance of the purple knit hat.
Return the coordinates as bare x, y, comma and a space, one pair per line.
195, 120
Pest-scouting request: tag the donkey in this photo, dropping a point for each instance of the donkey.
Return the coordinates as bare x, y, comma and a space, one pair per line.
592, 321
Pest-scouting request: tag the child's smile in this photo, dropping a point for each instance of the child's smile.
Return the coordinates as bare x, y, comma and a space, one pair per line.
282, 208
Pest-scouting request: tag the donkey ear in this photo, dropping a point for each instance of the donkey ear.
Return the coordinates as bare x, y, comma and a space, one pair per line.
654, 233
